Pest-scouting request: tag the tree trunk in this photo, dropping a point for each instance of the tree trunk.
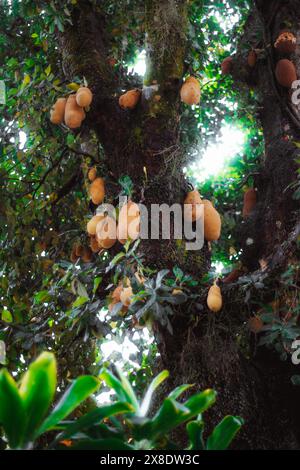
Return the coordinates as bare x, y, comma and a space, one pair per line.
145, 144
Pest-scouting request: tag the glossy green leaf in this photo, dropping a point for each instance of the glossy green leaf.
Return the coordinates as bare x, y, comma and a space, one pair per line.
179, 391
37, 390
224, 433
78, 391
95, 416
143, 410
12, 413
195, 432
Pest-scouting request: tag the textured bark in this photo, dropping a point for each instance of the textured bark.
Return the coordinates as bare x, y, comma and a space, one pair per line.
203, 349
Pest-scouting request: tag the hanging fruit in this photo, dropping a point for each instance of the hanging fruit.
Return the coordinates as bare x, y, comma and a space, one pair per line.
73, 256
94, 245
74, 114
84, 97
190, 91
79, 249
192, 203
126, 296
252, 58
130, 99
285, 73
57, 111
214, 298
226, 66
250, 199
286, 43
212, 222
92, 224
87, 255
92, 174
255, 324
106, 232
116, 293
97, 191
129, 222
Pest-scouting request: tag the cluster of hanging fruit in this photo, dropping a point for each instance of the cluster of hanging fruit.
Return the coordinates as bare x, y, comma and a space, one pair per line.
121, 294
189, 93
70, 110
194, 209
285, 72
102, 228
227, 64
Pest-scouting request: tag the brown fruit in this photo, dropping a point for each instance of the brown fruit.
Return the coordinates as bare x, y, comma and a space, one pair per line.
252, 58
214, 298
106, 232
57, 112
190, 91
191, 207
79, 250
97, 191
130, 99
192, 80
73, 256
255, 324
87, 255
129, 222
74, 114
94, 245
249, 202
92, 174
116, 294
233, 276
84, 97
226, 66
126, 295
212, 222
92, 224
285, 73
286, 43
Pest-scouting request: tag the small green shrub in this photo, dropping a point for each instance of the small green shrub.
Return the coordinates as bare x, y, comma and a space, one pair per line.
123, 424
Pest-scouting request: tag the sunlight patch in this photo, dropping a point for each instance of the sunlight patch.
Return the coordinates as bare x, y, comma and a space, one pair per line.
219, 154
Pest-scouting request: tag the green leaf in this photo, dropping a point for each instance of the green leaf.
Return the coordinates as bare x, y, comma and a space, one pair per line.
42, 296
200, 402
143, 409
179, 390
94, 417
80, 301
224, 433
79, 390
120, 387
37, 390
12, 413
128, 390
195, 433
97, 282
6, 316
